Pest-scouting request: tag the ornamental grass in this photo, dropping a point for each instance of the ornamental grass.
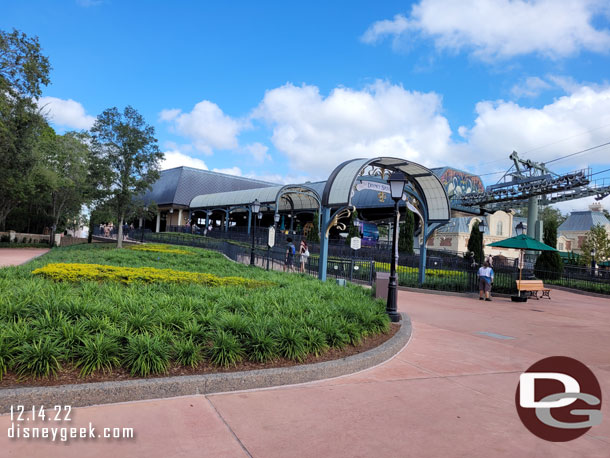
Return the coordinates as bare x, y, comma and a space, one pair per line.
94, 309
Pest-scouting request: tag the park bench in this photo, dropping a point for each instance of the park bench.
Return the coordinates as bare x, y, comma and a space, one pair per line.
532, 287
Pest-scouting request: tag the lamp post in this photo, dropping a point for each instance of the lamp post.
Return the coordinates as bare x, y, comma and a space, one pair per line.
482, 227
397, 185
145, 211
255, 207
592, 261
520, 228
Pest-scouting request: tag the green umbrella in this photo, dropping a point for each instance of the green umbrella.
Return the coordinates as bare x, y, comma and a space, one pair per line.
522, 242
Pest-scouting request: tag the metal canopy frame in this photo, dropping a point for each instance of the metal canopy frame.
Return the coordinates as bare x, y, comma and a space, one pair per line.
423, 185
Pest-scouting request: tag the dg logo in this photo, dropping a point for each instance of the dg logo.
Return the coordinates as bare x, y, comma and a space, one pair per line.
559, 399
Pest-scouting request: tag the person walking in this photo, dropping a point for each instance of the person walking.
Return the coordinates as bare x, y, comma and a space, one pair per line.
486, 279
290, 252
304, 254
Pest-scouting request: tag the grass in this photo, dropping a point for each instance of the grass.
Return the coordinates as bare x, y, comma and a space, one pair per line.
97, 326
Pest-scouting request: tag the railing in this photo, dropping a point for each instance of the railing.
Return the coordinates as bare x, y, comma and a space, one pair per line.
440, 273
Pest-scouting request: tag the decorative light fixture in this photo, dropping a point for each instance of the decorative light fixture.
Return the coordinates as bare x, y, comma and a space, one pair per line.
482, 226
520, 228
397, 185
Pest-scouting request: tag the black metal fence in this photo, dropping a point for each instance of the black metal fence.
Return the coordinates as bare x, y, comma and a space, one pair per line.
442, 273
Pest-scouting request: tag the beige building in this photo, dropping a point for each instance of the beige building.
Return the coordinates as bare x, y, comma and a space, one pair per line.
454, 236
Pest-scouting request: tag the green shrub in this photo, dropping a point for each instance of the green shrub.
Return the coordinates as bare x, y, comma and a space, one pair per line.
226, 349
291, 343
334, 334
98, 353
262, 346
40, 358
188, 353
6, 356
146, 354
315, 341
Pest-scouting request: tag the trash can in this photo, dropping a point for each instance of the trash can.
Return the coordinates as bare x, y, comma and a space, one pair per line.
382, 280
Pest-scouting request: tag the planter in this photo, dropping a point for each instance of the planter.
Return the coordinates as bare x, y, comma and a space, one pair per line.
518, 298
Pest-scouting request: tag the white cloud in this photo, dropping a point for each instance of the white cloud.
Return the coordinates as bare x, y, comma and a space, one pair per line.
533, 86
501, 28
258, 151
65, 113
177, 159
206, 125
317, 133
169, 115
570, 124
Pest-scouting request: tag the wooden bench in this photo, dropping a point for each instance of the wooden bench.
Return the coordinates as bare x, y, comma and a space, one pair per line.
532, 287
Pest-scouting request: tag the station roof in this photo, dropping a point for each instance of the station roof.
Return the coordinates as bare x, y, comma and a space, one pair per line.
179, 185
294, 196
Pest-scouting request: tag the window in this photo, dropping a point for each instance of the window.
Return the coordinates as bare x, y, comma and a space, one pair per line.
499, 228
560, 246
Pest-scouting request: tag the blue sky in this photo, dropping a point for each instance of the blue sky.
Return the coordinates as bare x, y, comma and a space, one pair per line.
284, 91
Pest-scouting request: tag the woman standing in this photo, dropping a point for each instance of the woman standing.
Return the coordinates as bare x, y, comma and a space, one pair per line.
304, 252
486, 279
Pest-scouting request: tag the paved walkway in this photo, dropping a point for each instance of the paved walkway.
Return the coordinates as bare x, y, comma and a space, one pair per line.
449, 393
16, 256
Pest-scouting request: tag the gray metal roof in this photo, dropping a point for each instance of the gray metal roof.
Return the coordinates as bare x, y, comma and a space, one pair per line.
583, 221
301, 196
181, 184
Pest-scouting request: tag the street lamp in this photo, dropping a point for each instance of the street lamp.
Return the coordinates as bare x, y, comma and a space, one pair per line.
397, 186
255, 208
520, 228
482, 227
592, 261
145, 211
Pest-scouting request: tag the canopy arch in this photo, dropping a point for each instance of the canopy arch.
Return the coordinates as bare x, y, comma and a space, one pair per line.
422, 184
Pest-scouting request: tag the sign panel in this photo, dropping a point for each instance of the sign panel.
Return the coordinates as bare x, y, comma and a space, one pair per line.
271, 240
373, 186
355, 243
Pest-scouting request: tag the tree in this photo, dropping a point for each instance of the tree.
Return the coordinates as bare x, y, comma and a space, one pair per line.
23, 70
596, 239
475, 242
405, 237
128, 148
65, 178
549, 264
354, 227
314, 233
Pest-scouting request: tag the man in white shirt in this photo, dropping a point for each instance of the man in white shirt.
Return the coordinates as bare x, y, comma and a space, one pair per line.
486, 279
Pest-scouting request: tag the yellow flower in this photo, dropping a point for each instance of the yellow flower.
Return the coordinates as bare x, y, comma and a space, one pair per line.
98, 272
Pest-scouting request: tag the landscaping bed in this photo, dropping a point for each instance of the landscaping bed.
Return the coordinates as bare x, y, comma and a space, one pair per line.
130, 316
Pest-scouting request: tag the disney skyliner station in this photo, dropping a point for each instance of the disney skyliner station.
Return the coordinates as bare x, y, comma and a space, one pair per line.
184, 195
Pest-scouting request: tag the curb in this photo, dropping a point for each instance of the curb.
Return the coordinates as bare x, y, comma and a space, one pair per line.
88, 394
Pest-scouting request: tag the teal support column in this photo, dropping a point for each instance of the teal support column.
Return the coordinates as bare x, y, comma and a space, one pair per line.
207, 219
226, 220
249, 219
422, 255
323, 244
